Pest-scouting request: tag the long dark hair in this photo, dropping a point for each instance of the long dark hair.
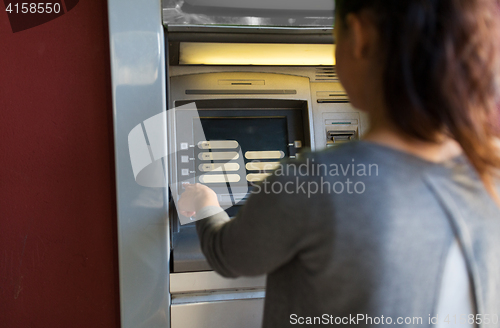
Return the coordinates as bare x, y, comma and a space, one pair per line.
441, 74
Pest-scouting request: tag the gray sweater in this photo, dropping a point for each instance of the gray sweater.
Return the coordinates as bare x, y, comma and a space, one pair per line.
359, 235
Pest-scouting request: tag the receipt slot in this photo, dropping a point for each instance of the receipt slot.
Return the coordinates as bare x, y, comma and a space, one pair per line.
338, 137
344, 128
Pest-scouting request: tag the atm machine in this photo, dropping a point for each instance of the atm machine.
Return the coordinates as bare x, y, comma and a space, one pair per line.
243, 94
264, 109
261, 79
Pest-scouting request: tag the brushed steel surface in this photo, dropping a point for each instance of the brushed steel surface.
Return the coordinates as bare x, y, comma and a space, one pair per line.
225, 314
270, 13
195, 282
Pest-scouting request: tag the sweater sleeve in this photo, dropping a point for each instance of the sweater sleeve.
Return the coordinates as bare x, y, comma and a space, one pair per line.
267, 232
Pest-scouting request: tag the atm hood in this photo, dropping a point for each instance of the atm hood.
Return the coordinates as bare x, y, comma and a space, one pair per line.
261, 20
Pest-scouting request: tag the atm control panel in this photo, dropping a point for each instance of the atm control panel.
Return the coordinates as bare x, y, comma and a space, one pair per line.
233, 127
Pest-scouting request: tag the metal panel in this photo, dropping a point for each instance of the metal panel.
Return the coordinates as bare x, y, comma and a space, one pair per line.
226, 314
187, 251
313, 73
217, 296
285, 13
250, 34
138, 85
195, 282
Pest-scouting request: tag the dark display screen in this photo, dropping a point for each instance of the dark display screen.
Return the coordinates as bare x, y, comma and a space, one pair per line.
254, 136
252, 133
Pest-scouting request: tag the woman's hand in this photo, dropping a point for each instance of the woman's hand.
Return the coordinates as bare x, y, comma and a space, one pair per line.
196, 197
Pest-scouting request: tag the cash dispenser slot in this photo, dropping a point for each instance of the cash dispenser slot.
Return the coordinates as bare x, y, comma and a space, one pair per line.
340, 128
338, 137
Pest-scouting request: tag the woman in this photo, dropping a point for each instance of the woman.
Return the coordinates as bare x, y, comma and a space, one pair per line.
418, 238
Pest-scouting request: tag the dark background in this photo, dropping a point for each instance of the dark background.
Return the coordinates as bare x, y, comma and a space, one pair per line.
58, 243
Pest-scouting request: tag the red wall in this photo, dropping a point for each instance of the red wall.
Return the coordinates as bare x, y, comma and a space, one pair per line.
58, 244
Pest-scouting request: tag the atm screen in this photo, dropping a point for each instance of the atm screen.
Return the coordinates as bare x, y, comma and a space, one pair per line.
232, 149
261, 139
252, 133
263, 142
